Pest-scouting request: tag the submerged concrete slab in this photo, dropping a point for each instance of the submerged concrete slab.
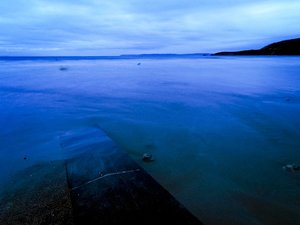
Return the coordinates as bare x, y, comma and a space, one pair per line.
109, 188
38, 195
96, 183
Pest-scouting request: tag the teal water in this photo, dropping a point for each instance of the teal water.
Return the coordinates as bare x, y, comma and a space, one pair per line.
220, 128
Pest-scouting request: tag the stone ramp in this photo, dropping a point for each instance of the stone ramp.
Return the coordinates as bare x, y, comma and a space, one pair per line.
109, 188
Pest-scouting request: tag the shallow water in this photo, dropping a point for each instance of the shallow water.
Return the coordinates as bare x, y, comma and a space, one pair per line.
220, 128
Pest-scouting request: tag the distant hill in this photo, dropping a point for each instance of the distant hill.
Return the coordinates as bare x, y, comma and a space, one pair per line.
166, 55
288, 47
141, 56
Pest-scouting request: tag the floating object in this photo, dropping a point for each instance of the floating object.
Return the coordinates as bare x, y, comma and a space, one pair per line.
63, 68
148, 157
291, 167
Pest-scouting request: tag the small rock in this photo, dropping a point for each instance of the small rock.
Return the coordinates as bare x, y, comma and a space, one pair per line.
63, 68
291, 167
138, 64
148, 157
25, 158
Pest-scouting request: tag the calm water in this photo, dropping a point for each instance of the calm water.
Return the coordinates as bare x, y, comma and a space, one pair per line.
220, 129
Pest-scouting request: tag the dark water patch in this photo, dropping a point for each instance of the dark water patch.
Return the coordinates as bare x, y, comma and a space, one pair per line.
150, 146
175, 83
264, 120
22, 90
63, 68
269, 212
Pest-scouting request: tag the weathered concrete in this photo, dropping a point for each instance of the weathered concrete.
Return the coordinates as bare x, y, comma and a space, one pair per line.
107, 187
38, 195
97, 183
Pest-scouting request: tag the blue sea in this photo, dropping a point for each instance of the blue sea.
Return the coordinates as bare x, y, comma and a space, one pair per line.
220, 129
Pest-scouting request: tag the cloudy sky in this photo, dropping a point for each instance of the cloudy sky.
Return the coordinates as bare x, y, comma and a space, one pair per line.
113, 27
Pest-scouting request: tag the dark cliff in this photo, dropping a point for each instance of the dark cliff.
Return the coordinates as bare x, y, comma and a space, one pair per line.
288, 47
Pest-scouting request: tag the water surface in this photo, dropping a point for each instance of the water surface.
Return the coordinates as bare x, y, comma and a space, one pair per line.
220, 128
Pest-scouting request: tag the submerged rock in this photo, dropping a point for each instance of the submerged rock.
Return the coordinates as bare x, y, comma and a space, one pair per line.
148, 157
63, 68
291, 167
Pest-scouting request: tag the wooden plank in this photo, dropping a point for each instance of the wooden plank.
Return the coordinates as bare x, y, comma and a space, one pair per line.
107, 187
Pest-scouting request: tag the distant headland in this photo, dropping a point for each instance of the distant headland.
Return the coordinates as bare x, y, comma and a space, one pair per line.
287, 47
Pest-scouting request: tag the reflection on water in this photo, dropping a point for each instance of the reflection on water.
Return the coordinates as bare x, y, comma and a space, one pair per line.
220, 129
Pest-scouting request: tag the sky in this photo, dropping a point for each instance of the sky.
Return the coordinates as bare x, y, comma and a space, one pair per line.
114, 27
